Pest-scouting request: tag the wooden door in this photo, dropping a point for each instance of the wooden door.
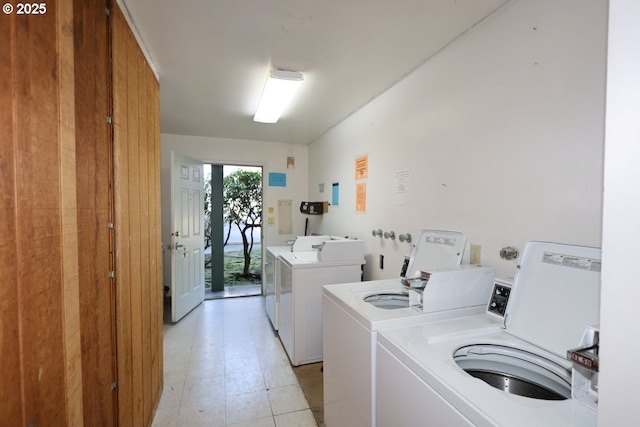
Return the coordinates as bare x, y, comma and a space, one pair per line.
138, 265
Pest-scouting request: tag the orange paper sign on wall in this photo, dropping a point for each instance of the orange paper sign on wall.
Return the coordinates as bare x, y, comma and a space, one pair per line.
362, 167
361, 197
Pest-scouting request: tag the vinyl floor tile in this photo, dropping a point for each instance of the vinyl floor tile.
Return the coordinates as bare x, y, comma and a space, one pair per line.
225, 366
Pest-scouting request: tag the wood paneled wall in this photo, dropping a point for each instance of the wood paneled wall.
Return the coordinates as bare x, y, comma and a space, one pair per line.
10, 359
40, 360
63, 177
94, 191
138, 239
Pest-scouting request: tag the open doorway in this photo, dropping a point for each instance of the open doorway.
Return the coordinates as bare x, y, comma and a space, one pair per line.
233, 231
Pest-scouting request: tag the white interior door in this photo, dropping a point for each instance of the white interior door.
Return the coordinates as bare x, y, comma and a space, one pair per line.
187, 235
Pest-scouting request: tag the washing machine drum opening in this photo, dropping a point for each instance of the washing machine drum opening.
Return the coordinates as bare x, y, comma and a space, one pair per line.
516, 371
389, 301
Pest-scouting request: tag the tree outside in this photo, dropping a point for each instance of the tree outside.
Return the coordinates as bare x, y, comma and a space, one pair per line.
242, 192
242, 210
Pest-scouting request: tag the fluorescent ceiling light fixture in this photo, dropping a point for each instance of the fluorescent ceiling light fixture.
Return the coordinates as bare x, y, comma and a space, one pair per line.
280, 88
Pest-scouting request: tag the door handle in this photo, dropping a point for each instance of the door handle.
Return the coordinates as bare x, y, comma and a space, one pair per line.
183, 247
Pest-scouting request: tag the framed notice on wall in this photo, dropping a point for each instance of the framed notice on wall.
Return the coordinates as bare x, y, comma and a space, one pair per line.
285, 224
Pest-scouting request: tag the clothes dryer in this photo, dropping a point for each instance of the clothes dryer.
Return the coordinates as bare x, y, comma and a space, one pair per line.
480, 371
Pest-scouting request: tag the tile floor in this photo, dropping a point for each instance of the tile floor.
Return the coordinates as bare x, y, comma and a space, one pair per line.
225, 366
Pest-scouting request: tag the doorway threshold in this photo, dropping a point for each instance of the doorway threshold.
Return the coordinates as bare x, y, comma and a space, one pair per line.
235, 291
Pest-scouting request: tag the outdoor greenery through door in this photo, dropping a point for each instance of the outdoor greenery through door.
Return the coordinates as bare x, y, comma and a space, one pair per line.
233, 221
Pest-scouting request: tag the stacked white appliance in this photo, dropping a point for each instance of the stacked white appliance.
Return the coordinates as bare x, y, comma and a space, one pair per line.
479, 371
353, 313
302, 276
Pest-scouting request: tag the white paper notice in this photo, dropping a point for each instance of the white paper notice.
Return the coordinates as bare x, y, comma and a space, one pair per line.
401, 186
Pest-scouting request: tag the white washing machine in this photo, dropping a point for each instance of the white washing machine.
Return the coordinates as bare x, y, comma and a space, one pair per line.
272, 272
272, 283
351, 324
303, 274
480, 371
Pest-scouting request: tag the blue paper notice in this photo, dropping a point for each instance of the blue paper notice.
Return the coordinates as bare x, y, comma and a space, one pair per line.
277, 179
335, 194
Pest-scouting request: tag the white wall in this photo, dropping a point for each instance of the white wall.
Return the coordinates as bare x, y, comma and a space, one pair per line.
619, 316
502, 134
271, 156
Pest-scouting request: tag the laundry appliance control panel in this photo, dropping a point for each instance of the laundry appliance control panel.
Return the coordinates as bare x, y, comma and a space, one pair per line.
405, 266
499, 298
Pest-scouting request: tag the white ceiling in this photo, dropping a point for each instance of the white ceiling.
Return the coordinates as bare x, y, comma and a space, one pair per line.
213, 57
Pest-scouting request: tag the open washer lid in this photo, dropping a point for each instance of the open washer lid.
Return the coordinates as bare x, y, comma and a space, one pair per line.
555, 295
436, 249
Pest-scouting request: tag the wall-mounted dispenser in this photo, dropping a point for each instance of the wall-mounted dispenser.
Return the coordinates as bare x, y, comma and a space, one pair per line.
314, 208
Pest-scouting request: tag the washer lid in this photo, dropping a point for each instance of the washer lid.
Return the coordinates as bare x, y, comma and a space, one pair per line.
555, 295
435, 249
